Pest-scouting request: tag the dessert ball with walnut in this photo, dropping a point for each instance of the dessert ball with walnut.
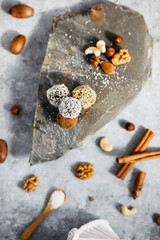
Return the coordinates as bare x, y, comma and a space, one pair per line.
85, 94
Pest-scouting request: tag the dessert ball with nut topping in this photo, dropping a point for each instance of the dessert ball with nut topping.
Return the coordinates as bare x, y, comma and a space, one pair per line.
85, 94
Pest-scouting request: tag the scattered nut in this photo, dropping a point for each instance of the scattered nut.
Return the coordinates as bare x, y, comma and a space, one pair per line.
14, 110
128, 212
17, 44
95, 61
101, 45
84, 171
31, 184
158, 220
3, 150
91, 198
93, 50
117, 40
107, 67
129, 126
104, 146
110, 51
22, 11
121, 57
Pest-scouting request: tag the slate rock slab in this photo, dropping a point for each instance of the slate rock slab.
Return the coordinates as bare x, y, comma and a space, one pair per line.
66, 63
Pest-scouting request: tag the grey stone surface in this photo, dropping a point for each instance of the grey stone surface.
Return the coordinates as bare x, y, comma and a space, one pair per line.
19, 77
65, 62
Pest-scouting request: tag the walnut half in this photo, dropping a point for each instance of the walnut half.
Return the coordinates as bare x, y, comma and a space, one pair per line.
31, 184
84, 171
121, 57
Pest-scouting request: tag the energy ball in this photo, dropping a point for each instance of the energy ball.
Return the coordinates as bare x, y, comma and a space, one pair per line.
85, 94
56, 94
70, 107
67, 123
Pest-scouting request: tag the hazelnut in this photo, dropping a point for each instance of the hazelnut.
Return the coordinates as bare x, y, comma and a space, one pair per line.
107, 68
158, 220
110, 51
95, 61
117, 40
14, 110
91, 198
129, 126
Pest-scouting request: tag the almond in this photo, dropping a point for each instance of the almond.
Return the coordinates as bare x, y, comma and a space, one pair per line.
3, 150
107, 68
17, 44
22, 11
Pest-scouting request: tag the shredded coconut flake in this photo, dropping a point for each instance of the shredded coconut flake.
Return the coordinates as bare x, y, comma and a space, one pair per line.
56, 94
70, 107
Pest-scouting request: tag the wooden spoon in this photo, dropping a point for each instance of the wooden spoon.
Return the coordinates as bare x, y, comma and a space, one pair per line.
28, 232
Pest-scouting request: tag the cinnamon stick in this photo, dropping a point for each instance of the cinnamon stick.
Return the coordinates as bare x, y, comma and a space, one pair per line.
128, 169
138, 185
141, 146
139, 157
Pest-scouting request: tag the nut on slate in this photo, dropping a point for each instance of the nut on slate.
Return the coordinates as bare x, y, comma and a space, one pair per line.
107, 67
158, 220
31, 184
121, 57
104, 146
110, 51
17, 44
3, 150
93, 50
22, 11
117, 40
128, 212
14, 110
95, 61
129, 126
101, 45
84, 171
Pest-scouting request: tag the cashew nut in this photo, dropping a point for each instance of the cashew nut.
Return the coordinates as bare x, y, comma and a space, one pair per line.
93, 50
104, 146
128, 212
101, 45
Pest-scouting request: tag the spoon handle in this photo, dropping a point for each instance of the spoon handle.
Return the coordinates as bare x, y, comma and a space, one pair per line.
28, 232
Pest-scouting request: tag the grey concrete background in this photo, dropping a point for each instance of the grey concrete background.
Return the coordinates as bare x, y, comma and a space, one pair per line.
19, 84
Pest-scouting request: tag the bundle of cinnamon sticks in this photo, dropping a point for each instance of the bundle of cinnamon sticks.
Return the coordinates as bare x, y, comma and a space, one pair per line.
130, 161
137, 155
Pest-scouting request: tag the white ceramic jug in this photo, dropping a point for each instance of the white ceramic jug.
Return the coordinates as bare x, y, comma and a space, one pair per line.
95, 230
